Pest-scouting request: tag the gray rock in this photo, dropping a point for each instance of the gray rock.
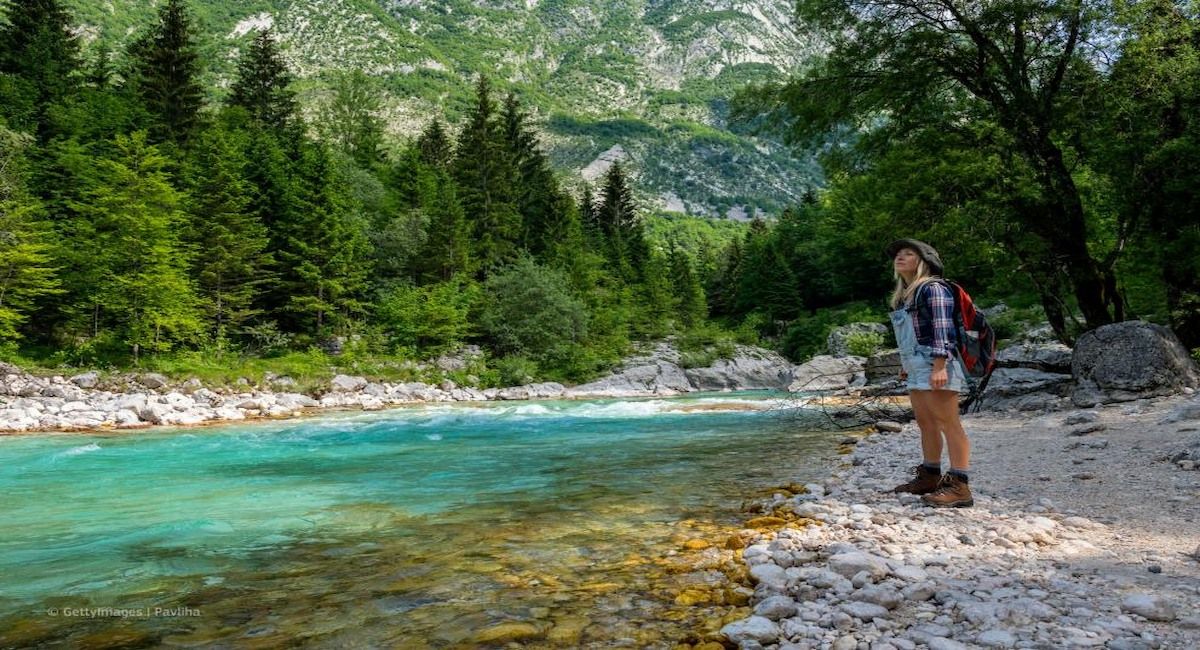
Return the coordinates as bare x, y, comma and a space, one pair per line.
776, 608
828, 373
750, 369
848, 642
1150, 606
1048, 357
883, 365
889, 426
1189, 410
86, 380
152, 380
837, 343
1081, 417
755, 628
347, 384
864, 611
849, 564
771, 575
1025, 389
1127, 361
942, 643
881, 595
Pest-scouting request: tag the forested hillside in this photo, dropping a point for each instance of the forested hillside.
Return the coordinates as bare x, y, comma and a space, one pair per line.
651, 79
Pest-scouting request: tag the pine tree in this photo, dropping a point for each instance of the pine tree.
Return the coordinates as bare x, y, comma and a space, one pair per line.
136, 258
447, 249
40, 51
263, 85
434, 146
26, 268
692, 308
486, 178
167, 75
235, 263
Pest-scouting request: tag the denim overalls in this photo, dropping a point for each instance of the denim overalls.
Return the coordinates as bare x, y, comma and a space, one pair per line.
917, 359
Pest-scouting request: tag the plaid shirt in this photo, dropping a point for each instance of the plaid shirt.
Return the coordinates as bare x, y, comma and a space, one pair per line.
939, 334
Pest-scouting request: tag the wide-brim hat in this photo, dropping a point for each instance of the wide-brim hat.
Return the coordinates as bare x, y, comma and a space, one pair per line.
928, 253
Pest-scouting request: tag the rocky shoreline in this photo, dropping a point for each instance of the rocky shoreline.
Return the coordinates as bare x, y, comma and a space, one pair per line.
1051, 556
89, 402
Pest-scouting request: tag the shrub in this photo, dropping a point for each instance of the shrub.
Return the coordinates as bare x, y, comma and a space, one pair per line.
864, 344
516, 370
430, 319
529, 311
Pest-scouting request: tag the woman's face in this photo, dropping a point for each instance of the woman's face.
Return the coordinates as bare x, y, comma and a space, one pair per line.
906, 261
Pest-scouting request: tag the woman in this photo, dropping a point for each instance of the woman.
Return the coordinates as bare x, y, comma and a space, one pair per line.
923, 320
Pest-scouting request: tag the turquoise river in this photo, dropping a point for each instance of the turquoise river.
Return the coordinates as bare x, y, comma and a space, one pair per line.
544, 524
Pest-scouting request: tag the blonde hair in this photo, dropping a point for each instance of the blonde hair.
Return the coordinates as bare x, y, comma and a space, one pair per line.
904, 291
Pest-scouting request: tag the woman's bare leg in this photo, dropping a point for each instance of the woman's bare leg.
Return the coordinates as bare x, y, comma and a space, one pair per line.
943, 408
927, 421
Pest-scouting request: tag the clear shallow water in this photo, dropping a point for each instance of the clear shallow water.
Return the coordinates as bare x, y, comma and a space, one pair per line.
415, 527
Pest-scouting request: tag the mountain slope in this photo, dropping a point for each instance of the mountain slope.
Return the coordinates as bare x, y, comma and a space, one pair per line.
642, 81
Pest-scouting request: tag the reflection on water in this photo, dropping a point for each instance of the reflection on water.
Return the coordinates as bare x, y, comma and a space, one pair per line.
555, 524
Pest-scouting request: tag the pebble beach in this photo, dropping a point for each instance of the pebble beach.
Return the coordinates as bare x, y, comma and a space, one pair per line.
1085, 533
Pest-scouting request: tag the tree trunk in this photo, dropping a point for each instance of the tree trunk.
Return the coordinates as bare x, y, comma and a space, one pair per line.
1065, 233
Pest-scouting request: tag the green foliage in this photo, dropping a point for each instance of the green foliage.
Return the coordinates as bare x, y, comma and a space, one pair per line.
807, 335
864, 344
262, 86
39, 65
428, 319
530, 311
26, 271
235, 264
515, 370
134, 252
350, 118
166, 74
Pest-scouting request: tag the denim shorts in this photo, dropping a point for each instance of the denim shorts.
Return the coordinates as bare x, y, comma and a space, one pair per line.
919, 366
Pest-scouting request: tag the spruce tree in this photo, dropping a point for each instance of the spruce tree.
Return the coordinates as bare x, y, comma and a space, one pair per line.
135, 255
167, 75
537, 191
40, 52
325, 257
263, 85
621, 226
486, 178
27, 273
691, 307
234, 264
589, 214
447, 249
434, 146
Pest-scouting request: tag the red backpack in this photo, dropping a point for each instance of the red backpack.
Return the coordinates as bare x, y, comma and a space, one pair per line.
976, 339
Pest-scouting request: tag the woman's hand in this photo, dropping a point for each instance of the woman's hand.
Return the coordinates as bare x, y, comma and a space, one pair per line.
903, 375
938, 377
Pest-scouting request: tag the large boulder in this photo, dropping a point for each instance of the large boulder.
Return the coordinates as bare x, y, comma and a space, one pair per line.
749, 369
828, 373
1048, 357
838, 342
1127, 361
1025, 389
883, 366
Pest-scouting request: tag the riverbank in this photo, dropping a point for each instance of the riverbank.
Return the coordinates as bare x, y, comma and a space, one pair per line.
91, 401
1084, 534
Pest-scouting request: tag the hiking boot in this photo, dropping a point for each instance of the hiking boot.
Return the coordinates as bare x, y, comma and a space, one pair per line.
953, 492
925, 481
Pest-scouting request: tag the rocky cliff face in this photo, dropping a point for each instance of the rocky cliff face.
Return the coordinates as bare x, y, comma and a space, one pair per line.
652, 76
